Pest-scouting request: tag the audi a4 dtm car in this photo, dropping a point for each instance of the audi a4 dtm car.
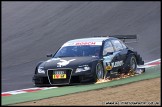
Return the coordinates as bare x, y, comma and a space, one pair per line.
87, 60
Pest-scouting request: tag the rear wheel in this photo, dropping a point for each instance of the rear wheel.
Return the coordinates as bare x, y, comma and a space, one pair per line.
130, 64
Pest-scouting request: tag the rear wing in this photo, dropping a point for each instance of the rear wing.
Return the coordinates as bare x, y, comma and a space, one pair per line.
126, 38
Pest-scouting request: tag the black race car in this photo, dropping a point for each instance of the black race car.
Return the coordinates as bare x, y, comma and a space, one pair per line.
87, 60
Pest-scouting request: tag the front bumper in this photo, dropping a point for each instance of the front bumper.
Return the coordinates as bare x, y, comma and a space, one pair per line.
40, 80
46, 79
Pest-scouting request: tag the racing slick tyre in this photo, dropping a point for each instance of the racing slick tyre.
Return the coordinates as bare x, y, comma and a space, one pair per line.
130, 64
99, 72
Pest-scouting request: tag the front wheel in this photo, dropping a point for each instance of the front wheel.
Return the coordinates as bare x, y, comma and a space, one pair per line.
99, 74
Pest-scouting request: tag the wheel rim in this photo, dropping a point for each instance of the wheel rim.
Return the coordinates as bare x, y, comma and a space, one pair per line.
99, 71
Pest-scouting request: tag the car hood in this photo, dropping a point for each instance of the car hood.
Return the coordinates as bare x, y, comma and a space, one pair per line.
67, 62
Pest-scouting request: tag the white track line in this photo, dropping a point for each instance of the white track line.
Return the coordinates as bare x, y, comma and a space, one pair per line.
26, 90
158, 60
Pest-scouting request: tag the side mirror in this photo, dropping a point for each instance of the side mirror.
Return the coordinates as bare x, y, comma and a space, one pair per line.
49, 55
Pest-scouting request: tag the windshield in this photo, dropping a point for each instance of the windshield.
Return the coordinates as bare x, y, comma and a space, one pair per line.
78, 51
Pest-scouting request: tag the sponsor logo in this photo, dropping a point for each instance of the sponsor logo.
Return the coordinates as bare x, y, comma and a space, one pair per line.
85, 43
82, 43
59, 76
64, 62
88, 43
108, 67
114, 64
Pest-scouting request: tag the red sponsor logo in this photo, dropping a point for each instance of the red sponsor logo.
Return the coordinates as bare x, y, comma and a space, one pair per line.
85, 43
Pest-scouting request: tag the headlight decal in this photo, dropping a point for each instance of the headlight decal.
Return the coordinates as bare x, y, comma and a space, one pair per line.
83, 68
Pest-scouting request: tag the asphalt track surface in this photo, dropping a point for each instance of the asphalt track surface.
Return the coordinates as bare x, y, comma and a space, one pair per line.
30, 30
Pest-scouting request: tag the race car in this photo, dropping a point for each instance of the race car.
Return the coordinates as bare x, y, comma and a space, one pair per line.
87, 60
